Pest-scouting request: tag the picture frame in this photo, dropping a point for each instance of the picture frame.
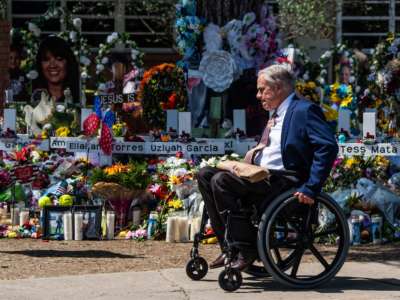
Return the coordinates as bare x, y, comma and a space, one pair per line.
91, 224
53, 223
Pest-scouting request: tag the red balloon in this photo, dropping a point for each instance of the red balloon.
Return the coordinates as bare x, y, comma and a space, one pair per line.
91, 124
106, 139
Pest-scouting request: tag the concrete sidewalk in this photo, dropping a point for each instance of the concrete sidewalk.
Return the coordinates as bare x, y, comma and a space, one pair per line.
355, 281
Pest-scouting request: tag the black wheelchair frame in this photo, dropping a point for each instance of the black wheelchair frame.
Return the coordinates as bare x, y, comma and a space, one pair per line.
283, 223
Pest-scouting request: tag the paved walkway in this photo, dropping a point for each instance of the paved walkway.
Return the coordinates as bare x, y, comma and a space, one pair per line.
355, 281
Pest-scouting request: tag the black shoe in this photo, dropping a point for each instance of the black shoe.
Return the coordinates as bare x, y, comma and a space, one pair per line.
242, 262
219, 262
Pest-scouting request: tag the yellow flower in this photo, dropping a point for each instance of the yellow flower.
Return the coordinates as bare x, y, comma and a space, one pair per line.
350, 162
176, 204
116, 168
175, 180
63, 132
390, 37
346, 101
381, 161
330, 113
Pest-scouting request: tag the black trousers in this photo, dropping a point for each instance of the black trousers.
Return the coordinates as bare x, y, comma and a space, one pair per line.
221, 191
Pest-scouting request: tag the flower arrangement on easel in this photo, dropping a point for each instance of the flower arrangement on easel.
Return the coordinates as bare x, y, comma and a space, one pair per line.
162, 88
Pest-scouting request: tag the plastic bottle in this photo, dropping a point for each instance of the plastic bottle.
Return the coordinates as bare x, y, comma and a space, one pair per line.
356, 228
151, 225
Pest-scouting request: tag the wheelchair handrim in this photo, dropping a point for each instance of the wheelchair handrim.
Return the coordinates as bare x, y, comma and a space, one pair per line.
265, 248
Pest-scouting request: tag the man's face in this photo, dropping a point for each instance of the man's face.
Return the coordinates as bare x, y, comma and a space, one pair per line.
270, 96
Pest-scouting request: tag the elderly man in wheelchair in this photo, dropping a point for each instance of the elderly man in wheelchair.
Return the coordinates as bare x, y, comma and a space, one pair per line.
284, 220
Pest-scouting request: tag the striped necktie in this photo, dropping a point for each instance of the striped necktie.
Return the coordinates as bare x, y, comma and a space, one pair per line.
264, 141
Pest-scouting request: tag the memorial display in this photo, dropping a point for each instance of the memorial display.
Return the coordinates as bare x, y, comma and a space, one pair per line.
96, 145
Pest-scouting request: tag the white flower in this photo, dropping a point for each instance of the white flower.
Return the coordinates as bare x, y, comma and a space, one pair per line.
32, 74
99, 67
112, 37
104, 61
358, 88
73, 36
135, 52
327, 54
84, 60
306, 76
60, 108
203, 164
77, 23
180, 172
321, 80
212, 161
47, 126
84, 75
218, 68
324, 72
352, 79
34, 29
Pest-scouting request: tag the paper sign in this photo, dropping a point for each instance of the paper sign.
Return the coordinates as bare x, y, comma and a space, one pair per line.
369, 124
185, 122
10, 119
172, 119
350, 149
344, 120
239, 119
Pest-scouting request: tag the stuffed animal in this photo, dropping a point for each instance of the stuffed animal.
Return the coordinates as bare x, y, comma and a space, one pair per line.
36, 117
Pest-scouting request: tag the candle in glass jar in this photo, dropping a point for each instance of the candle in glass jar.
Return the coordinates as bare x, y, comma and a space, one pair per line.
170, 235
78, 220
110, 225
67, 221
183, 229
23, 217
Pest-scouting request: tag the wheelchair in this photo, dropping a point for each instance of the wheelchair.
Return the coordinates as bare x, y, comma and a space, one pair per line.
301, 246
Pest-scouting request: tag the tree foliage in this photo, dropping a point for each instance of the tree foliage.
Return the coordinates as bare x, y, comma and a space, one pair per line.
307, 18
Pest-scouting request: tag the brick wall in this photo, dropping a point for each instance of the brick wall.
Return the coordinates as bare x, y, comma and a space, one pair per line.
4, 53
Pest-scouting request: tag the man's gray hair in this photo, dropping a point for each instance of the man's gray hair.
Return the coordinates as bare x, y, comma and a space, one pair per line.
279, 74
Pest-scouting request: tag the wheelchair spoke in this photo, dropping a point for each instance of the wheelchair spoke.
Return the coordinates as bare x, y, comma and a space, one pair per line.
319, 256
278, 256
299, 256
289, 244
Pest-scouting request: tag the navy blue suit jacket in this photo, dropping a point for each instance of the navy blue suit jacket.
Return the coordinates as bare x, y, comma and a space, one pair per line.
308, 145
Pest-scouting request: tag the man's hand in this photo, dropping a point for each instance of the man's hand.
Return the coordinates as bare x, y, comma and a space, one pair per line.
304, 198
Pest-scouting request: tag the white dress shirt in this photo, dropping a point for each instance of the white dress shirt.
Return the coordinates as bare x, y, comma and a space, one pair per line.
271, 156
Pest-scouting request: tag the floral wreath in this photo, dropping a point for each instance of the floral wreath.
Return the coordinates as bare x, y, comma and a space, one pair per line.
385, 68
161, 88
342, 51
113, 40
30, 39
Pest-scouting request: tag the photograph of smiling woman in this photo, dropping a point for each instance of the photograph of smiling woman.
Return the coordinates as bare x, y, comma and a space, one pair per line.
57, 68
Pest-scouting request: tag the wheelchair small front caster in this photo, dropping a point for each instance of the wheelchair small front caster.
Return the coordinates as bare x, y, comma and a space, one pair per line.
196, 268
230, 280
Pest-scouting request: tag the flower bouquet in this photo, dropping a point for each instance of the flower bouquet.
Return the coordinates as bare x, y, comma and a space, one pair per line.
119, 185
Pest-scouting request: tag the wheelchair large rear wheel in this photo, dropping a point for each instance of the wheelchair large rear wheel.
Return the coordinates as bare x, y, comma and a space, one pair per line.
303, 246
